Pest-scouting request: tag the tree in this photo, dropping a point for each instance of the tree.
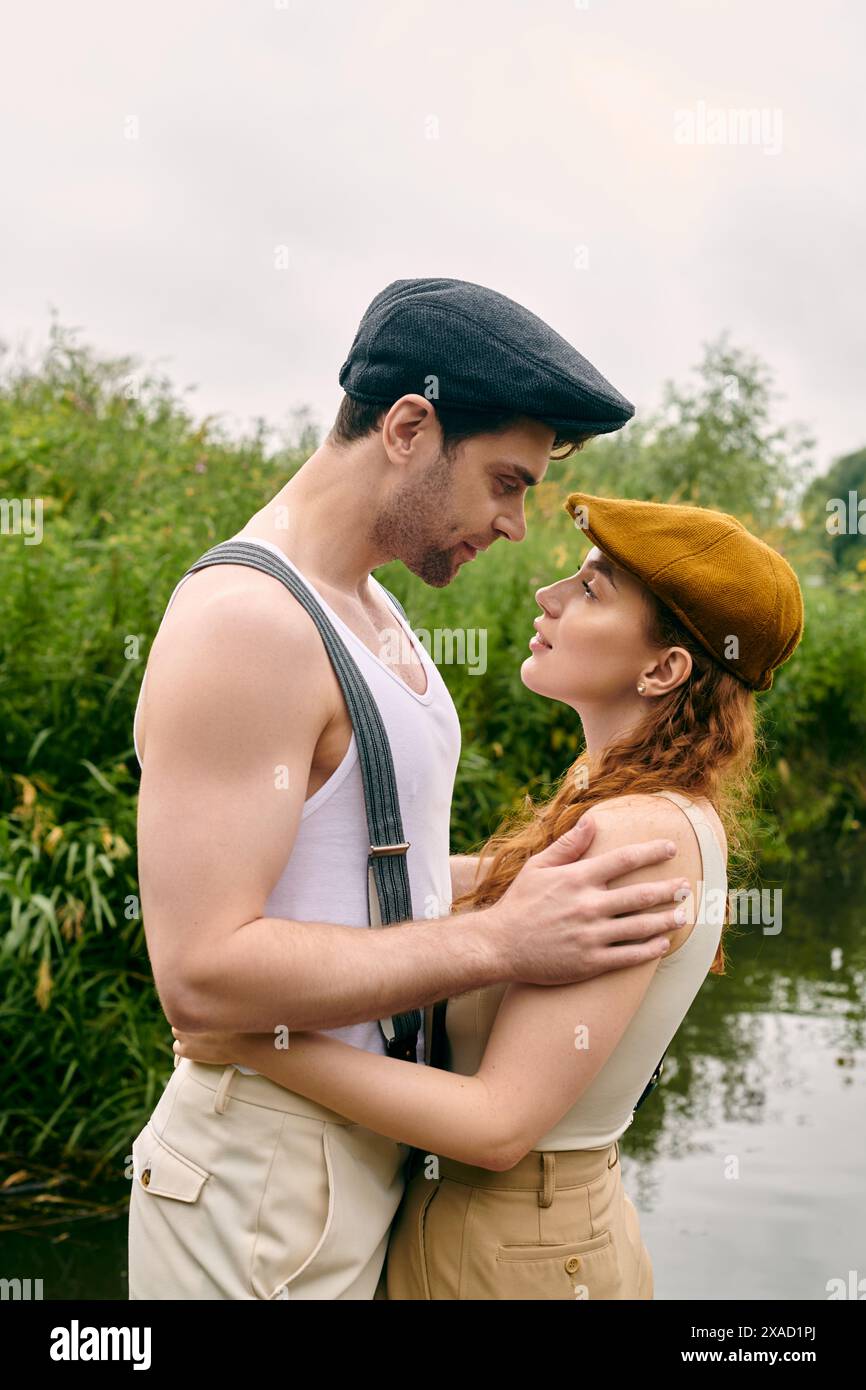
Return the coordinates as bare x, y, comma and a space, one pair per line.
836, 505
712, 444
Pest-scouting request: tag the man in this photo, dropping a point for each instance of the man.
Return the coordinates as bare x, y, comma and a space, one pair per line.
252, 832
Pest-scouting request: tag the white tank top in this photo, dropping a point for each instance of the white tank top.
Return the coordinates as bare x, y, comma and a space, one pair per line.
606, 1108
325, 877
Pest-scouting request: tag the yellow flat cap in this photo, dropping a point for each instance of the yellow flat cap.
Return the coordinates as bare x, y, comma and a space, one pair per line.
739, 597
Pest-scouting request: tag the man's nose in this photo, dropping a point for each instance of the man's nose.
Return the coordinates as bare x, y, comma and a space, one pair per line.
513, 527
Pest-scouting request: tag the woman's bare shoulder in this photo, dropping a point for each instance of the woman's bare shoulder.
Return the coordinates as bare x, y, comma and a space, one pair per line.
657, 812
642, 806
638, 816
644, 816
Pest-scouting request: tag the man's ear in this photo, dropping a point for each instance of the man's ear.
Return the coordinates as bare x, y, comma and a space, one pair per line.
411, 422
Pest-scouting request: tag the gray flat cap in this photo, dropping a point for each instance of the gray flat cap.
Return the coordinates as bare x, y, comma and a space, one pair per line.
466, 346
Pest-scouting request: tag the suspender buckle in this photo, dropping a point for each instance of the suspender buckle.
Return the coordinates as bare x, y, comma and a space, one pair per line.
378, 850
404, 1049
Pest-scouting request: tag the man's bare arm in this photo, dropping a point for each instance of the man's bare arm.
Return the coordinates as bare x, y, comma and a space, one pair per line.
231, 732
239, 692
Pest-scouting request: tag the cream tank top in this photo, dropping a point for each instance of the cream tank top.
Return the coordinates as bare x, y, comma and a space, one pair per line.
325, 876
606, 1108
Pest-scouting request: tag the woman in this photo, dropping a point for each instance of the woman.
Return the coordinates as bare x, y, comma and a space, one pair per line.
658, 642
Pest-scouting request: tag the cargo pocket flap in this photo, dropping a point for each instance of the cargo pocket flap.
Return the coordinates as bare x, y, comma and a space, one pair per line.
164, 1172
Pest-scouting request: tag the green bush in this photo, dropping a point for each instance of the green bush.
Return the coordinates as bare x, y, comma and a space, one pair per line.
134, 491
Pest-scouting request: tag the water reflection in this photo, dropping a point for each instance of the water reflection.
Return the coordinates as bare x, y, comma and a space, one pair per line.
747, 1164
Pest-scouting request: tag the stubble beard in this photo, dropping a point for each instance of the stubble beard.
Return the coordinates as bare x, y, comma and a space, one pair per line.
404, 527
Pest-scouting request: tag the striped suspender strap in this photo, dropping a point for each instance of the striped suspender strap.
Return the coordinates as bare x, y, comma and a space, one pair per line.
652, 1083
389, 897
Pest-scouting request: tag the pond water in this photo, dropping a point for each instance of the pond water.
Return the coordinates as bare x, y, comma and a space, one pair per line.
748, 1166
748, 1163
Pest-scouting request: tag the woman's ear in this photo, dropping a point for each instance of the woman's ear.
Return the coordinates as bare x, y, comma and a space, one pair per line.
670, 670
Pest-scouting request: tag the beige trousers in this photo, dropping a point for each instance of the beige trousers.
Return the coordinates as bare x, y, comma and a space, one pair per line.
244, 1190
556, 1226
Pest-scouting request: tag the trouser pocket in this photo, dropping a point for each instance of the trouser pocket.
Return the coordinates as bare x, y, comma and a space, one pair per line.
198, 1175
326, 1211
511, 1246
252, 1202
582, 1269
295, 1209
164, 1172
170, 1255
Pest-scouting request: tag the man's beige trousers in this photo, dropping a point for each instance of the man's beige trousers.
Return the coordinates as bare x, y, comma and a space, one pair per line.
244, 1190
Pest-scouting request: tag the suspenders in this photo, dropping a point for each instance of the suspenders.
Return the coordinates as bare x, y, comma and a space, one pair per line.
389, 897
652, 1083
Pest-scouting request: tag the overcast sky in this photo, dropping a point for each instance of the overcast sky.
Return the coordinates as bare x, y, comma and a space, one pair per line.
566, 154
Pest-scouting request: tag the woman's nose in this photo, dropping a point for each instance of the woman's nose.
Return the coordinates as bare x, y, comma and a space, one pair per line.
546, 599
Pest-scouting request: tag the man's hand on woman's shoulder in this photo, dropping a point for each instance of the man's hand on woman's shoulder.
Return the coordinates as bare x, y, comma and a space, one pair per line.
601, 897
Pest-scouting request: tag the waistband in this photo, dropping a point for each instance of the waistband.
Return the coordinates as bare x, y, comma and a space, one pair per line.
228, 1083
539, 1171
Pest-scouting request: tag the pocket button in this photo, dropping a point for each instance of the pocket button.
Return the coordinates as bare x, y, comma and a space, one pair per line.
572, 1264
164, 1171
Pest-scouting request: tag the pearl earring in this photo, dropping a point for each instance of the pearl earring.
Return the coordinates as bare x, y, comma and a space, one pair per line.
641, 687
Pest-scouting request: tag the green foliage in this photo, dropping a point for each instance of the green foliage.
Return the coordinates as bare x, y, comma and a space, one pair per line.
713, 444
82, 1049
134, 490
843, 527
